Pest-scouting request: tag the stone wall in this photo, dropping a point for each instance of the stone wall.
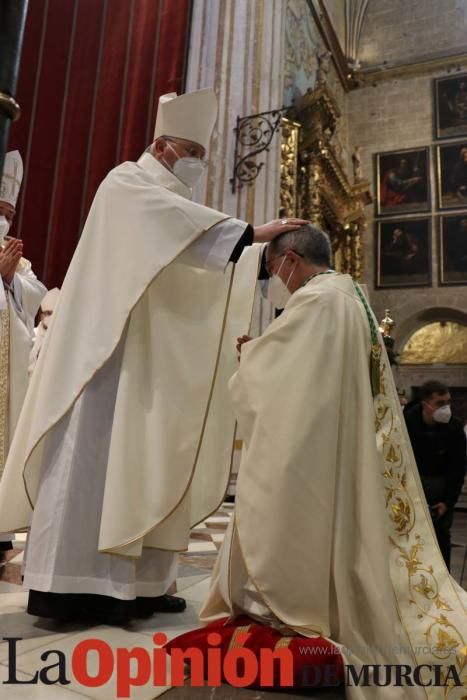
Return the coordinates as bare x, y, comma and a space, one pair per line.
402, 31
390, 116
258, 55
238, 48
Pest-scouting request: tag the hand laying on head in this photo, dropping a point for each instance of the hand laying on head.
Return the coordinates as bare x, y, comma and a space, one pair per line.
267, 232
10, 255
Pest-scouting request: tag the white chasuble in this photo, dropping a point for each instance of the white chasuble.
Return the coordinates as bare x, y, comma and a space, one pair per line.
155, 336
331, 534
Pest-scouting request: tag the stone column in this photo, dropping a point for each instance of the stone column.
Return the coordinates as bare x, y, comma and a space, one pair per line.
238, 48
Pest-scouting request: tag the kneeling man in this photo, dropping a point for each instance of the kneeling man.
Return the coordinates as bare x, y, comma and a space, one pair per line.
331, 536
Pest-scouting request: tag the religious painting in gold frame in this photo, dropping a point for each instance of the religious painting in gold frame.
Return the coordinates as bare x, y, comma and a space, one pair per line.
453, 249
450, 98
402, 181
403, 253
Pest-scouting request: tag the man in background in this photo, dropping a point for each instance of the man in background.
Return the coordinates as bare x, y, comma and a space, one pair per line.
439, 446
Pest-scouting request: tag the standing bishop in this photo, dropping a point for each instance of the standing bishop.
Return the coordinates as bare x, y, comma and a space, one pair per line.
126, 436
20, 296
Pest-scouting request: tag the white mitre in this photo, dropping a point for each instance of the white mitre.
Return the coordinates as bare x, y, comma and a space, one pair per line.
191, 116
49, 302
11, 178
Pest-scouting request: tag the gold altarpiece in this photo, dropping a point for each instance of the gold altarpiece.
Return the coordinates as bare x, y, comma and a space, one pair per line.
314, 184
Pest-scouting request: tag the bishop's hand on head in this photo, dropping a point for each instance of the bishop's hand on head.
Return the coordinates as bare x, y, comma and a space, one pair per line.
267, 232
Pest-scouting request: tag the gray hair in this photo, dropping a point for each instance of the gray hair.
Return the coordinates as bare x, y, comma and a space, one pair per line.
309, 241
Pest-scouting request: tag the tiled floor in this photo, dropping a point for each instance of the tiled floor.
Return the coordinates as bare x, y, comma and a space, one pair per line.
39, 636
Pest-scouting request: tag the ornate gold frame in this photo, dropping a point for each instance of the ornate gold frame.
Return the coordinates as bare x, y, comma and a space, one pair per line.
313, 182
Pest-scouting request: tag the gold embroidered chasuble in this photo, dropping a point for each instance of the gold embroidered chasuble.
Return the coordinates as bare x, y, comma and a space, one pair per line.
331, 528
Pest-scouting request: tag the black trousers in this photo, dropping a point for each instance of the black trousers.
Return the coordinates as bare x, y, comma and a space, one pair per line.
443, 534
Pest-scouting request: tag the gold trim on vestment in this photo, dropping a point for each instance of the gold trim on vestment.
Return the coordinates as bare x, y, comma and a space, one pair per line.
200, 440
315, 629
283, 643
436, 629
235, 441
234, 642
4, 384
143, 292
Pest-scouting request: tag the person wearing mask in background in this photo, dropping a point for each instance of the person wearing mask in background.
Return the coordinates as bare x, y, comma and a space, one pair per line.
439, 445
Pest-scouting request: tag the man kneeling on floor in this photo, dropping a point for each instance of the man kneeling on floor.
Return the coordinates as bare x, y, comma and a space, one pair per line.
331, 535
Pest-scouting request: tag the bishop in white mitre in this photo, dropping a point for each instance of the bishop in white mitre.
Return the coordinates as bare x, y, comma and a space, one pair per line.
20, 296
125, 440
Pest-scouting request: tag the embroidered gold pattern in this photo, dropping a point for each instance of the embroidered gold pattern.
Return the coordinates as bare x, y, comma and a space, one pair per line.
234, 642
4, 373
434, 628
283, 643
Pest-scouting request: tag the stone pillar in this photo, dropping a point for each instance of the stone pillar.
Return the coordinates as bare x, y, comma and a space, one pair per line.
238, 49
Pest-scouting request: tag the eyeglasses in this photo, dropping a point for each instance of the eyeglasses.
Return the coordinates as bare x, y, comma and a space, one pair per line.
267, 264
193, 151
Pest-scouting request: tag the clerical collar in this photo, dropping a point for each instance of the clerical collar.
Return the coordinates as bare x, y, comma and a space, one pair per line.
317, 274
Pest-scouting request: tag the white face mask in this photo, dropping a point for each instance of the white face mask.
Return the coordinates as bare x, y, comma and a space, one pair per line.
278, 292
4, 227
442, 414
188, 170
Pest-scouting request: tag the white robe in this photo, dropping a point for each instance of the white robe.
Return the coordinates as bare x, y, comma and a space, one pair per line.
22, 300
331, 534
112, 461
67, 511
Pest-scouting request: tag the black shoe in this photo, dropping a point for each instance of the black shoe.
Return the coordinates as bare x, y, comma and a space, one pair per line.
163, 603
84, 608
57, 606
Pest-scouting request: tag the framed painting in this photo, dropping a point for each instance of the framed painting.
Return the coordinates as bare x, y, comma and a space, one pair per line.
453, 249
451, 168
403, 253
450, 100
402, 182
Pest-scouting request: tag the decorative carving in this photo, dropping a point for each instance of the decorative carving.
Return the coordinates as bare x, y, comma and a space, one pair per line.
289, 164
254, 133
323, 67
357, 164
324, 194
441, 342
